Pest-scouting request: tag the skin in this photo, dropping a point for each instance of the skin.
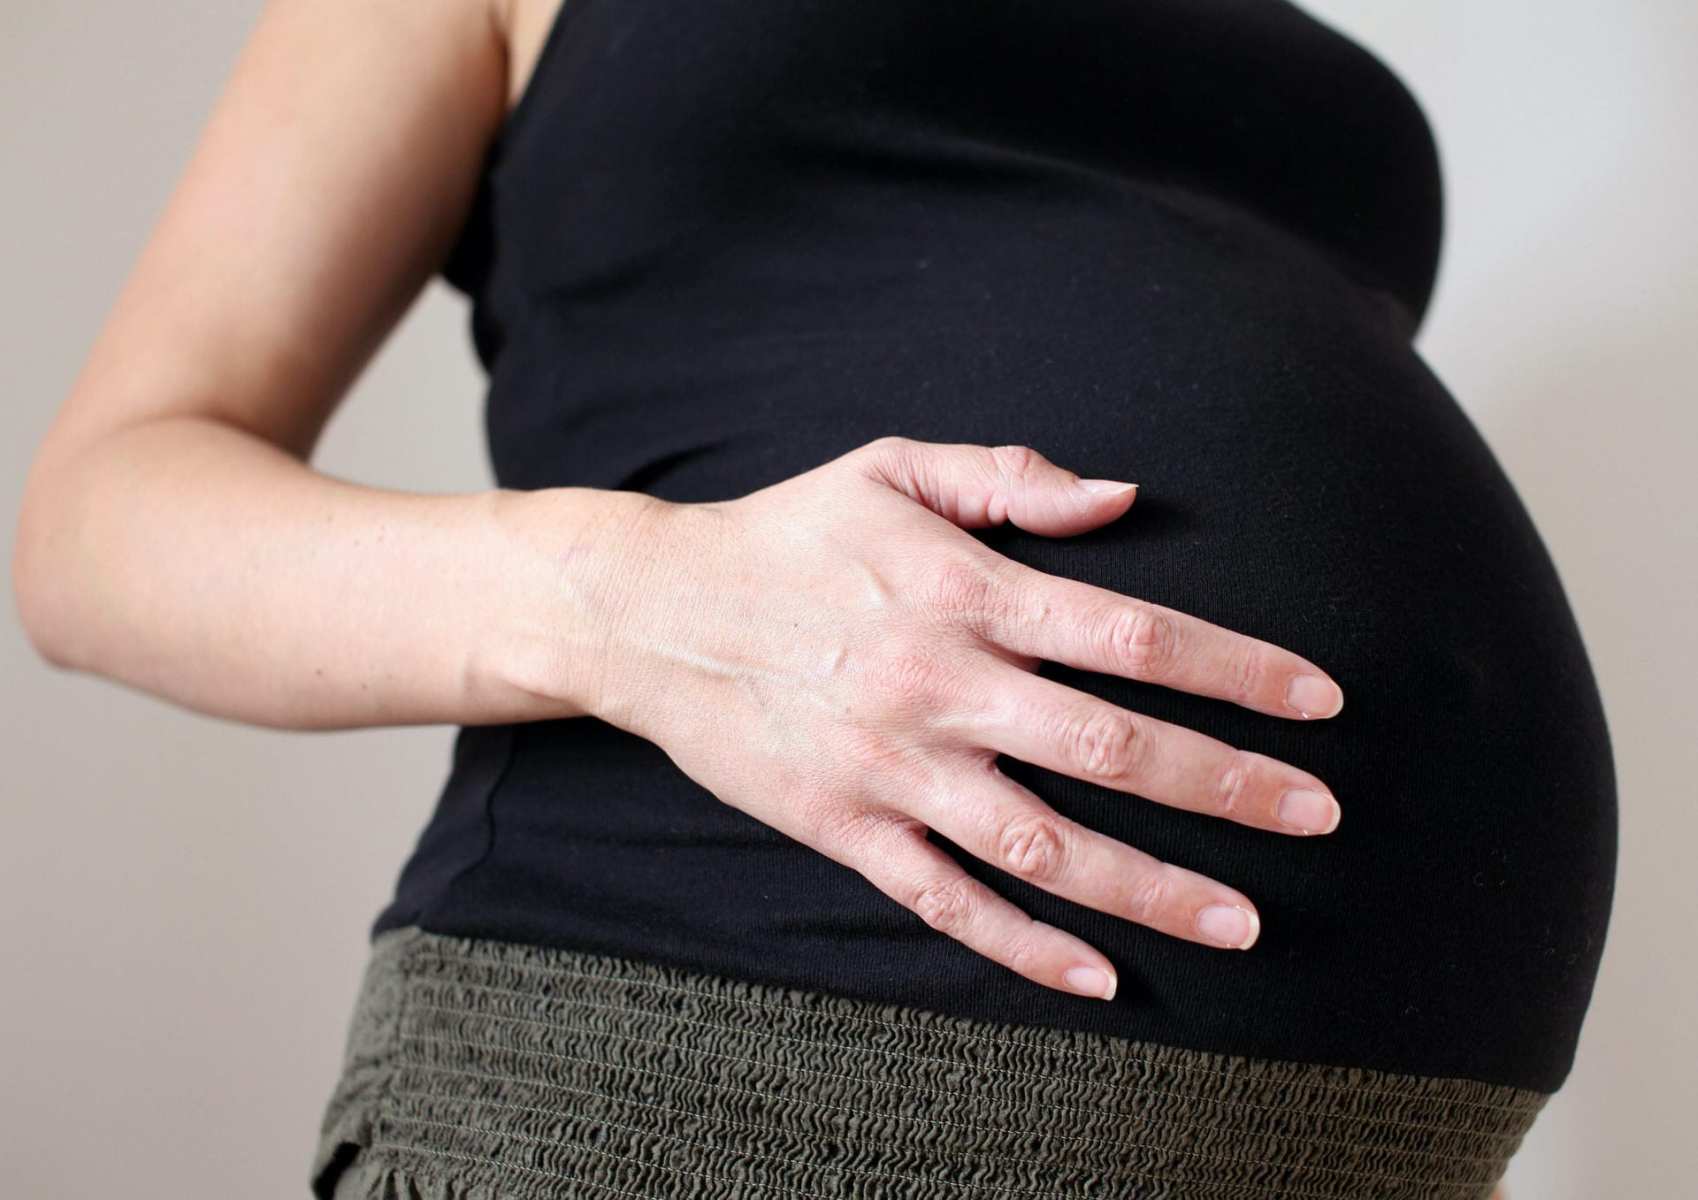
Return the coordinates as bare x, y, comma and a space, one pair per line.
835, 655
173, 538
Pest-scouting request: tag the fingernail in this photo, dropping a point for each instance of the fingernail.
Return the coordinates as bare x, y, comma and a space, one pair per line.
1107, 487
1090, 981
1309, 810
1313, 696
1230, 925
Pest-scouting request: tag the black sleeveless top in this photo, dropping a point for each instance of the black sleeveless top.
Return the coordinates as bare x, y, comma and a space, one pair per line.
1182, 242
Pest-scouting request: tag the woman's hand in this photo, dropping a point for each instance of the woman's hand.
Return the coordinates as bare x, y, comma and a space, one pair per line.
835, 656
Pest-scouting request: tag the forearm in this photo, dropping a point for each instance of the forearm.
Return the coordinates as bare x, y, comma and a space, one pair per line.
200, 563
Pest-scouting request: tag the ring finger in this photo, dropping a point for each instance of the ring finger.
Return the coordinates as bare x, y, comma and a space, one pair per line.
996, 819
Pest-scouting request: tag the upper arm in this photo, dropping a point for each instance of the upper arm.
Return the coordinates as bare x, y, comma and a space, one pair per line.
326, 187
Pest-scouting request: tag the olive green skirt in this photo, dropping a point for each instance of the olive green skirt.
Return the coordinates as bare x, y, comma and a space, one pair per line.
485, 1070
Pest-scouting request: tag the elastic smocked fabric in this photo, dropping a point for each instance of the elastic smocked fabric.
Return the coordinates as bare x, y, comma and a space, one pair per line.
487, 1069
1185, 243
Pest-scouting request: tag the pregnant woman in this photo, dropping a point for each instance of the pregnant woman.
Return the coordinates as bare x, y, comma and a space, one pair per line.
860, 788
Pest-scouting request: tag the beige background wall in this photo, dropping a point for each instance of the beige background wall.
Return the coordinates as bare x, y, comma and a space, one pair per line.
175, 989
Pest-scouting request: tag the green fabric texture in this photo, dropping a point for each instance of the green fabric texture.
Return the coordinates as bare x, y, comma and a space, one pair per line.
485, 1070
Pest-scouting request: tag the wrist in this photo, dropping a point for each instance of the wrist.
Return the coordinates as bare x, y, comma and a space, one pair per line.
572, 557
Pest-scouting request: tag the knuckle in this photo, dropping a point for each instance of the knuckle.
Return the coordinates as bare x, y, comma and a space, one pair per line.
1015, 462
1022, 955
1032, 846
909, 677
864, 831
890, 443
1250, 670
884, 455
964, 591
880, 754
1149, 894
1107, 744
1145, 640
819, 817
1230, 785
944, 904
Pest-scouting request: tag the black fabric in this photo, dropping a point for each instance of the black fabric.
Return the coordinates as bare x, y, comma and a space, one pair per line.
1182, 242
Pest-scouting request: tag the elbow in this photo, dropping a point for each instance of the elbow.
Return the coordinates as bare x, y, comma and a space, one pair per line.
38, 581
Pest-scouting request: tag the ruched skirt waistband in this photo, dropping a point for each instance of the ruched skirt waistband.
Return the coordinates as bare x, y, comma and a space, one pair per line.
486, 1070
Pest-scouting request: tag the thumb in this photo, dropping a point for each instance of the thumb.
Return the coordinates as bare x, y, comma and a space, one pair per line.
974, 485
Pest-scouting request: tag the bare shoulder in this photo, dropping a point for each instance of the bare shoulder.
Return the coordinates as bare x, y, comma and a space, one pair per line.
325, 189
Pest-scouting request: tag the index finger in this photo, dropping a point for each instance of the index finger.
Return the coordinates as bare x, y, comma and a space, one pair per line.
1096, 629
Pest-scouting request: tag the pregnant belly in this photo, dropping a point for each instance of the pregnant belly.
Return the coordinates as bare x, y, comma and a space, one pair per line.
1305, 479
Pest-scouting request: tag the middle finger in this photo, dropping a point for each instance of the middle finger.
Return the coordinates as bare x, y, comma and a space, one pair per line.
1059, 728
